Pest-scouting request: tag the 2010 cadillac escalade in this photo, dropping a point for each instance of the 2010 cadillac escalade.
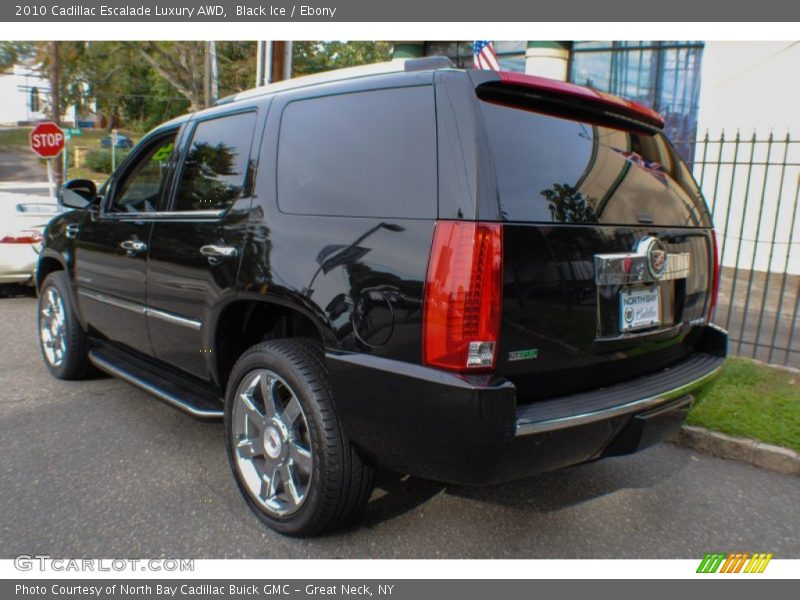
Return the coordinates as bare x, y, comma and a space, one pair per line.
468, 276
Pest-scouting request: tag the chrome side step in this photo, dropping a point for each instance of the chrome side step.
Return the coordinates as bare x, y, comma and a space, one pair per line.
169, 398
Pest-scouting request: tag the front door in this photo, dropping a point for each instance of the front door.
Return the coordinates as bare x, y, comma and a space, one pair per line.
111, 249
196, 247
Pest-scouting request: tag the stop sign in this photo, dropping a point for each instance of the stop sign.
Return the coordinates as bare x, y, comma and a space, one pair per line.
47, 139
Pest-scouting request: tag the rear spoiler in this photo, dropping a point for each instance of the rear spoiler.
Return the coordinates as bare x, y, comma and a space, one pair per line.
563, 98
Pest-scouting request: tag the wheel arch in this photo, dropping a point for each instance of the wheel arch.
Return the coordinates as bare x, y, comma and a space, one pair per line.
244, 322
49, 262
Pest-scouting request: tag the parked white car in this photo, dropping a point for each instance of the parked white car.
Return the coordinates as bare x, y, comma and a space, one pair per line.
23, 218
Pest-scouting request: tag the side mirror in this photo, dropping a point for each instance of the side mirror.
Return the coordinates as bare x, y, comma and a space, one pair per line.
78, 193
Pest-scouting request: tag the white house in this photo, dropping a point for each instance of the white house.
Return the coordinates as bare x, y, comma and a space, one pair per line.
25, 99
24, 96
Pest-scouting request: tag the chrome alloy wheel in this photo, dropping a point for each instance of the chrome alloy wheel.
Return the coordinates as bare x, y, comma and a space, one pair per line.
271, 442
53, 327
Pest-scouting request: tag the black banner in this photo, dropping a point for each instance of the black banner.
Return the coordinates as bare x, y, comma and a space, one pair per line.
399, 11
397, 589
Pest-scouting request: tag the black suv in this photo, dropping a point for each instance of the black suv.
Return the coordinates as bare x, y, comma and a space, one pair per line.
467, 276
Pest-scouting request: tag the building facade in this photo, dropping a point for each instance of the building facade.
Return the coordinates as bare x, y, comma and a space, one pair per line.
697, 86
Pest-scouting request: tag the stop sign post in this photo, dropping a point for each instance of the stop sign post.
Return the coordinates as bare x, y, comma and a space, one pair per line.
47, 140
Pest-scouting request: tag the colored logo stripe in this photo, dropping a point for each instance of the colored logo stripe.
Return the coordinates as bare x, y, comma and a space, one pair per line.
714, 562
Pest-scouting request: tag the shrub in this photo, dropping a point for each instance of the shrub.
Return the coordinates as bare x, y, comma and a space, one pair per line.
99, 159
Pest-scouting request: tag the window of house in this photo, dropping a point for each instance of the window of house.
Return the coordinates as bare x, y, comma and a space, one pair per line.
662, 75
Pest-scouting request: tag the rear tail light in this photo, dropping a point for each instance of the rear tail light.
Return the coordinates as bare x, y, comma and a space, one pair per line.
715, 282
22, 237
463, 292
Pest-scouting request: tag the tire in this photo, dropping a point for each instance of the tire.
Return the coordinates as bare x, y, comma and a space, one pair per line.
64, 345
292, 462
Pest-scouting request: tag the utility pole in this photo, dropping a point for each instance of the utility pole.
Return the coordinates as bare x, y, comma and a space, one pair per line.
278, 59
261, 63
273, 62
210, 75
212, 46
55, 104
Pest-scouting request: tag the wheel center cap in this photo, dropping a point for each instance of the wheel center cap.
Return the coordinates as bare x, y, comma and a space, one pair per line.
272, 442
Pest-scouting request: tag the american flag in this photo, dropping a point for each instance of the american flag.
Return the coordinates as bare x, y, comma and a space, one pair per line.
484, 56
655, 169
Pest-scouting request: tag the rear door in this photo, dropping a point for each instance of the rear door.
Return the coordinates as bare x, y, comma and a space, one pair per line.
607, 247
196, 245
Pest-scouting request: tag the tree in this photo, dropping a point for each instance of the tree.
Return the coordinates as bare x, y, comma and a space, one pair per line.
569, 205
141, 84
313, 57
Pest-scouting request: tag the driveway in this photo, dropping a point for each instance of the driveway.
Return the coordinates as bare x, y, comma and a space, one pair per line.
100, 469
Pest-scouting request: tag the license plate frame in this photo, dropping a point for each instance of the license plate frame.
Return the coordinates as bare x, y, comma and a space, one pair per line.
639, 308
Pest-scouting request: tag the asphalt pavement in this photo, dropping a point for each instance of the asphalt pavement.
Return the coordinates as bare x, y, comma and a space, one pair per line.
100, 469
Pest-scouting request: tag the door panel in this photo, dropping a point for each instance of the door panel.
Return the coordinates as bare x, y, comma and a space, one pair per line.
185, 286
195, 253
111, 250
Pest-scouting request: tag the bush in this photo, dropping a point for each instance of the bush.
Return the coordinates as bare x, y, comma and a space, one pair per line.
99, 159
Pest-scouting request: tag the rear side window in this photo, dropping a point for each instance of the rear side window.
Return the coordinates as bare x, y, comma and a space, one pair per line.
216, 165
363, 154
554, 169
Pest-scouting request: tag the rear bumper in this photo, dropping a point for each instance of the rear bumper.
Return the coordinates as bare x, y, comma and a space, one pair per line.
469, 429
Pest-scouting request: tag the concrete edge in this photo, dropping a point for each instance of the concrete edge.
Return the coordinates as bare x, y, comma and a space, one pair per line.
752, 452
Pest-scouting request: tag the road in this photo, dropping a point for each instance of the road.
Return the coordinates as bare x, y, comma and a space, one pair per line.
100, 469
21, 165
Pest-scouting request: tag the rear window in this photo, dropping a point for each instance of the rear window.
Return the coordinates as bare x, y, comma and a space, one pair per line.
554, 169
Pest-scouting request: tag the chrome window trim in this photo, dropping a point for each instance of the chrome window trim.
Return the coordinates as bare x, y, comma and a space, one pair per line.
143, 310
169, 216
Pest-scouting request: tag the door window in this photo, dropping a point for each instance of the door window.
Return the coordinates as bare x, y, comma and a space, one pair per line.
141, 187
215, 170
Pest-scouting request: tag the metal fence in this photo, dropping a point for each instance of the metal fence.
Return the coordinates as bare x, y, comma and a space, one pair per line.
751, 184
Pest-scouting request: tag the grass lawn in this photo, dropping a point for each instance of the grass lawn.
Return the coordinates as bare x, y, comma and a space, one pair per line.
752, 400
17, 139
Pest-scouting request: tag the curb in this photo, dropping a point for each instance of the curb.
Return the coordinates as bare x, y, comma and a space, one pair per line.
752, 452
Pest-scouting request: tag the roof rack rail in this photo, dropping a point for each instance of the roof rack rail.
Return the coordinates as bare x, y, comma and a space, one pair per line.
428, 63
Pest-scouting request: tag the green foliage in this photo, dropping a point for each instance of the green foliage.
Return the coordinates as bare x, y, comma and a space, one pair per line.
14, 52
316, 56
752, 400
142, 84
99, 159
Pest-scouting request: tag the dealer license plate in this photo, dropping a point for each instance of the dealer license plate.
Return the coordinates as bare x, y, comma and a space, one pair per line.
639, 308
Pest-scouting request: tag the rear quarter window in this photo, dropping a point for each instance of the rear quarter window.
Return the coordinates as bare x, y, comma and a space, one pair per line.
362, 154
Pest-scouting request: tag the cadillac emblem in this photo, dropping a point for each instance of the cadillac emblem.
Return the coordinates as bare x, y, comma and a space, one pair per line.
656, 253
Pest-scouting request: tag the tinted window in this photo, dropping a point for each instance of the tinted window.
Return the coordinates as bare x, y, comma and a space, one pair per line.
361, 154
216, 165
142, 185
556, 169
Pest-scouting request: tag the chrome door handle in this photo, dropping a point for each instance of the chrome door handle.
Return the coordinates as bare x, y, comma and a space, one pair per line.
133, 246
213, 251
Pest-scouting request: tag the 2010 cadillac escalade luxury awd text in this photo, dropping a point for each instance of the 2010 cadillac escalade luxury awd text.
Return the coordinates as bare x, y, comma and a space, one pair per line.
467, 276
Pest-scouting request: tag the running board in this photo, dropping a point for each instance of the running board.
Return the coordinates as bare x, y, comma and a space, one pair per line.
196, 409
